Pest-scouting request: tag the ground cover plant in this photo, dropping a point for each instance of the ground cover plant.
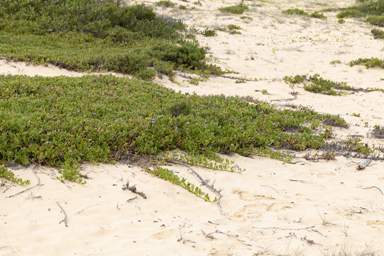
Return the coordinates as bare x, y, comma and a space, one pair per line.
236, 9
9, 175
61, 121
165, 3
372, 9
368, 63
96, 35
377, 34
318, 84
300, 12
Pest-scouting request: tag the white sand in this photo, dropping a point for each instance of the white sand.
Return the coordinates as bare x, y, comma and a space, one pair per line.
273, 208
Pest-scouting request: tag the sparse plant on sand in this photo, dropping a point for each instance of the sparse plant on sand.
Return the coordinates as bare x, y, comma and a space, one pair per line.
165, 3
377, 33
300, 12
368, 63
237, 9
9, 175
318, 84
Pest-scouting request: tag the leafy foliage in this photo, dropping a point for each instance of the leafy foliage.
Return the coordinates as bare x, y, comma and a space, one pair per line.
300, 12
169, 175
61, 121
318, 84
373, 9
377, 34
92, 35
9, 175
237, 9
165, 3
368, 63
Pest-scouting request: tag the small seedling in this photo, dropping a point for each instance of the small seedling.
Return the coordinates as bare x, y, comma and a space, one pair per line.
264, 91
336, 62
341, 21
356, 115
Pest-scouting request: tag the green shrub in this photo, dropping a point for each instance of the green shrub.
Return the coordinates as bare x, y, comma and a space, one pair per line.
368, 63
96, 36
165, 3
209, 32
376, 20
318, 84
350, 13
372, 8
237, 9
377, 34
341, 21
295, 11
62, 121
317, 15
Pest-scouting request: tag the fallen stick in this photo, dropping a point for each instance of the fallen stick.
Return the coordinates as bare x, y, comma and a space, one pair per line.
38, 184
372, 187
284, 228
205, 183
65, 218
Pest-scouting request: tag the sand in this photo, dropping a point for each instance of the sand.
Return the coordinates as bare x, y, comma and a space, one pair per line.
273, 208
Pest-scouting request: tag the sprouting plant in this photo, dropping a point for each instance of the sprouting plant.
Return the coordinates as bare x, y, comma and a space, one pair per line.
335, 62
169, 175
208, 32
9, 175
327, 133
264, 91
356, 115
341, 21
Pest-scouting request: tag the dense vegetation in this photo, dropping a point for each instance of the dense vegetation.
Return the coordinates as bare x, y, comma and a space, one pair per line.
373, 9
61, 121
92, 35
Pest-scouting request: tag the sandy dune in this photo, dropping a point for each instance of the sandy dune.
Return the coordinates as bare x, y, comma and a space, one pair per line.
273, 208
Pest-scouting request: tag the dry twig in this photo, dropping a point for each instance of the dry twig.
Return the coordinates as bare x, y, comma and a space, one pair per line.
65, 218
372, 187
38, 184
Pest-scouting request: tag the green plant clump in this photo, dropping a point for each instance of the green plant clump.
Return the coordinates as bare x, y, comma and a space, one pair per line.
9, 175
373, 9
62, 121
318, 84
318, 15
209, 32
378, 131
92, 35
295, 11
356, 145
376, 20
368, 63
377, 34
237, 9
165, 3
169, 175
300, 12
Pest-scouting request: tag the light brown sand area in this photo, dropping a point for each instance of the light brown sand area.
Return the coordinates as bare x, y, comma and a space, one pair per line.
273, 208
